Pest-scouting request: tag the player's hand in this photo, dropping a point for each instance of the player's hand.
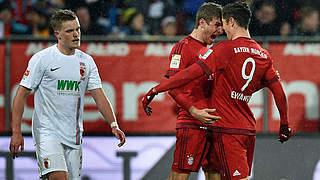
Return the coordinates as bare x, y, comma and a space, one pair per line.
284, 133
146, 100
16, 142
119, 135
203, 115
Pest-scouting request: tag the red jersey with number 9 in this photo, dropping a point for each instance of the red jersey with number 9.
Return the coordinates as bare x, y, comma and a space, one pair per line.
240, 67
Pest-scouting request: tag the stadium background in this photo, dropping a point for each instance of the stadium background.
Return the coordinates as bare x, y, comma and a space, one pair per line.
130, 62
130, 67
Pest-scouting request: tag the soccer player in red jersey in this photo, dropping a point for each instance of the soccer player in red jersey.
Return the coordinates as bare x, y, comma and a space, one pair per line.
240, 67
193, 139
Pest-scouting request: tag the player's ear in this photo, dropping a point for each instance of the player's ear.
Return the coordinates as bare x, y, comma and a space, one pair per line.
57, 34
201, 22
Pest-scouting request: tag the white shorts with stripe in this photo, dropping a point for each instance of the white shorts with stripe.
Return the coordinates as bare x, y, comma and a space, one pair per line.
54, 156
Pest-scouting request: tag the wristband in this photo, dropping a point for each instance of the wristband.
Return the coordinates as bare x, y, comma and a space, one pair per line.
114, 124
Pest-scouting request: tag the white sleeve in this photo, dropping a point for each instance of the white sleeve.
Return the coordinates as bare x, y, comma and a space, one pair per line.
33, 75
94, 80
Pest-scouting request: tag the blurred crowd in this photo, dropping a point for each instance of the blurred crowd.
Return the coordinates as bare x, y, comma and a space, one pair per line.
120, 18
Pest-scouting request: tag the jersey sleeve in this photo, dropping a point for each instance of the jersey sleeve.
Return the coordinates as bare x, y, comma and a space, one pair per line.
207, 61
270, 76
181, 78
179, 60
94, 80
34, 73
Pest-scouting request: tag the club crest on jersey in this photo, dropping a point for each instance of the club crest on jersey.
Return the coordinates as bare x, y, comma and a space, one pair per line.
82, 70
46, 163
190, 159
175, 61
206, 54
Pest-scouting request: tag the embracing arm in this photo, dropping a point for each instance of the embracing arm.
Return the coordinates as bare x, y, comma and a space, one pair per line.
106, 110
179, 79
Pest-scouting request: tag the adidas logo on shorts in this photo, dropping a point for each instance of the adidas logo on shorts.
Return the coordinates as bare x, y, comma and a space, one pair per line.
236, 173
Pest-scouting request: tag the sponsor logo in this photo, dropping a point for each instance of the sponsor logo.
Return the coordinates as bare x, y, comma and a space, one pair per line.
53, 69
68, 85
68, 88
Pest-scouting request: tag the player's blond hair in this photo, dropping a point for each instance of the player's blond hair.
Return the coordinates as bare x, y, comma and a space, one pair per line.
61, 16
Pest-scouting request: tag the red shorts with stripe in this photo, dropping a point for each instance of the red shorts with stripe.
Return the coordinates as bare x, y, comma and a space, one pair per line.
235, 155
193, 150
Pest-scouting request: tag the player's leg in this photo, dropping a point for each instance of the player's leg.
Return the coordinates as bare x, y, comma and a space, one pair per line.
51, 160
247, 178
211, 163
74, 162
232, 152
57, 175
189, 152
212, 175
178, 176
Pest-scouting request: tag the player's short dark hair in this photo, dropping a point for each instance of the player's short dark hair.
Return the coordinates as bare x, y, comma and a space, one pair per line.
208, 11
240, 11
61, 16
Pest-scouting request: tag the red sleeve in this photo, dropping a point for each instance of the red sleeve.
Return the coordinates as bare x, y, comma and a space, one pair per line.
270, 75
281, 100
182, 97
181, 57
181, 78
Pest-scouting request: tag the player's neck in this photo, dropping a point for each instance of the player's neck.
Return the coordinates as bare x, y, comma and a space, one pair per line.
241, 32
65, 50
197, 35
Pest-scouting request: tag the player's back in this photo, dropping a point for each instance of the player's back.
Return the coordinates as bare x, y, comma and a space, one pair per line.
241, 66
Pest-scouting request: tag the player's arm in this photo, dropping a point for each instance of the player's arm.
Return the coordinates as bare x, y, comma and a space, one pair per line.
17, 112
282, 105
181, 78
107, 112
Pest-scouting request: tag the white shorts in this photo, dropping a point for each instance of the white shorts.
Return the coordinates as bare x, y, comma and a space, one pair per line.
54, 156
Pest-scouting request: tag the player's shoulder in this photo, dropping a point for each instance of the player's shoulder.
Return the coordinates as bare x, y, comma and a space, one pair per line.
44, 54
220, 45
188, 41
84, 56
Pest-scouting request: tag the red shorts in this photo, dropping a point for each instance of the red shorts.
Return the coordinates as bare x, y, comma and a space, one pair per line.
193, 150
235, 154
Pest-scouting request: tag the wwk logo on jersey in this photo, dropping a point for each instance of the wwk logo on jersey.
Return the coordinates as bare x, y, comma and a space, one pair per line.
68, 85
68, 88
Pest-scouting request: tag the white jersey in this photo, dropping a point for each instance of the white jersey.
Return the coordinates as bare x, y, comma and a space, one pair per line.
59, 82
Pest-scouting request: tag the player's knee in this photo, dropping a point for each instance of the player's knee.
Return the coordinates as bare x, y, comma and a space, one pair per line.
247, 178
212, 176
57, 175
178, 176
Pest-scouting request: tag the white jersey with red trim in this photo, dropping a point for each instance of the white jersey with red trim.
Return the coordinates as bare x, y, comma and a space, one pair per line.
59, 83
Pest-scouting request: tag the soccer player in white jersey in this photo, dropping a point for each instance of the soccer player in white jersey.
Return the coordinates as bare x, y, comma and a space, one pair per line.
59, 76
